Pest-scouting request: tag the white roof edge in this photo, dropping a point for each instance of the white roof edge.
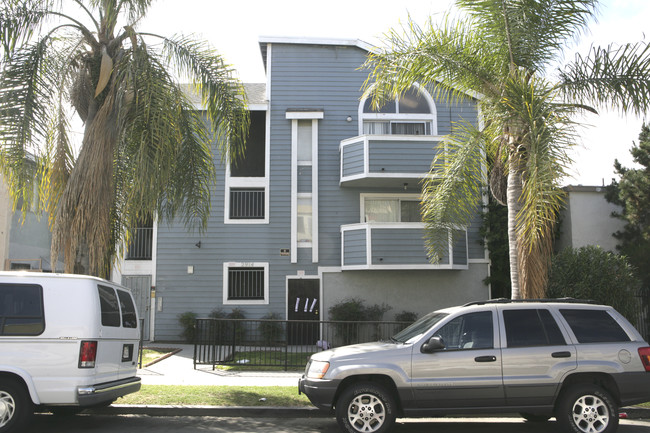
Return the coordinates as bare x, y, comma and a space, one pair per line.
318, 41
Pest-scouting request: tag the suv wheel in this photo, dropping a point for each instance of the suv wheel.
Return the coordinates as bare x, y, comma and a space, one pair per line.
587, 409
365, 407
16, 406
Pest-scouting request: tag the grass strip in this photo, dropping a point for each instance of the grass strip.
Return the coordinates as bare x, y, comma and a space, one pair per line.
203, 395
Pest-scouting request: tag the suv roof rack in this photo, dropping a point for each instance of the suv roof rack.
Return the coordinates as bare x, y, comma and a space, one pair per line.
546, 300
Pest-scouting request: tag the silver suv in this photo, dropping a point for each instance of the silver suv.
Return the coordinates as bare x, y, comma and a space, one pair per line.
573, 360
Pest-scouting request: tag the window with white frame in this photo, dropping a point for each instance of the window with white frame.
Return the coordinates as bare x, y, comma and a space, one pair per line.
391, 209
245, 283
246, 178
413, 113
305, 216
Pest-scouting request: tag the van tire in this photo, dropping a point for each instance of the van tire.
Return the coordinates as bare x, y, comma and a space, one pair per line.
16, 407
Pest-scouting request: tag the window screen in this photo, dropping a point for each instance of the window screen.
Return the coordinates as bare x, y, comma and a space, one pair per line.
594, 326
21, 309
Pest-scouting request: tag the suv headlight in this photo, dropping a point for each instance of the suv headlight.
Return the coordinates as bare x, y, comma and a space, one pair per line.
317, 369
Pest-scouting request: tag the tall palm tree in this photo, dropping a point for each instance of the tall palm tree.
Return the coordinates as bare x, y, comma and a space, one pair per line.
145, 148
508, 54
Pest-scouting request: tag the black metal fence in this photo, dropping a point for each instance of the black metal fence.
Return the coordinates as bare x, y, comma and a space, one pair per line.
279, 343
643, 314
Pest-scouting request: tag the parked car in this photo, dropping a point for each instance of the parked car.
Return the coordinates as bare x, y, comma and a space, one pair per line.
573, 360
66, 341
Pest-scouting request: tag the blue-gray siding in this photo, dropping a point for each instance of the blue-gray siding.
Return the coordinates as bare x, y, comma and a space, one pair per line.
307, 77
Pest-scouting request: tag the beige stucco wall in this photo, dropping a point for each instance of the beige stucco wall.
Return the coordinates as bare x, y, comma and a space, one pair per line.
587, 219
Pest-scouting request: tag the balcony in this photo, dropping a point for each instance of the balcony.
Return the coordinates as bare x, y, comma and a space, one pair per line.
386, 161
373, 246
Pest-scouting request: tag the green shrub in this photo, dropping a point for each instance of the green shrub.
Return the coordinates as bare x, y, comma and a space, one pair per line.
354, 310
591, 273
272, 331
406, 316
188, 322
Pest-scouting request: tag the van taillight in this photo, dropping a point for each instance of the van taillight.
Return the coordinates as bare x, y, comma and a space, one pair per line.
87, 354
644, 353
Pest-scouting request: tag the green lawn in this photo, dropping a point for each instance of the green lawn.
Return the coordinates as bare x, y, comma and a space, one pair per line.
267, 361
182, 395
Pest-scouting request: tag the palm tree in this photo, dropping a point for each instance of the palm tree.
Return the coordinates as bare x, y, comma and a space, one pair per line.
508, 54
145, 148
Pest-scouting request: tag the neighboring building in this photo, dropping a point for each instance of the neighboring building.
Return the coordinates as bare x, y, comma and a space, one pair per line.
24, 239
587, 219
323, 208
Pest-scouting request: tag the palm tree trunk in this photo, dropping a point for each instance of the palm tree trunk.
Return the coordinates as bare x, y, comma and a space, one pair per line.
514, 206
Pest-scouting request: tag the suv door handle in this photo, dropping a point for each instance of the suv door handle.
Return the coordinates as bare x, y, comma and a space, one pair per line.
566, 354
485, 358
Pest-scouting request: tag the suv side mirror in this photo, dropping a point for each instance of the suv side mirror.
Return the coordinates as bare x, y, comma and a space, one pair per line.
435, 343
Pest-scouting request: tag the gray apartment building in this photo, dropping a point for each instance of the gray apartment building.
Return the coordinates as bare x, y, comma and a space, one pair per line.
324, 206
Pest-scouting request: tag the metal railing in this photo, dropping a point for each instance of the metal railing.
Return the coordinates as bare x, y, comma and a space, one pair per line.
643, 314
140, 246
279, 343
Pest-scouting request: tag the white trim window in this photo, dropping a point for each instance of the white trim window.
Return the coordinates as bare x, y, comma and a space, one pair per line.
413, 113
245, 283
246, 199
386, 208
304, 204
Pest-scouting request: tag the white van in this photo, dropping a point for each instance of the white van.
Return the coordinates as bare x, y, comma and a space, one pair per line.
65, 340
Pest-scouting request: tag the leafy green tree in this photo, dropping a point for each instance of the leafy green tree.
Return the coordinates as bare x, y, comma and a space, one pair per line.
592, 273
145, 149
494, 231
501, 52
632, 194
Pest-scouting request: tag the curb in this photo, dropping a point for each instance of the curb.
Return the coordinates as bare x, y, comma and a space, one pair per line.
631, 413
218, 411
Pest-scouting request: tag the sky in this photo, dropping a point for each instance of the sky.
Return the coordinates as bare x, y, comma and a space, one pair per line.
234, 29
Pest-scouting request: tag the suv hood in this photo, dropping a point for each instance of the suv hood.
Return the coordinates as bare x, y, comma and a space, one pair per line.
354, 351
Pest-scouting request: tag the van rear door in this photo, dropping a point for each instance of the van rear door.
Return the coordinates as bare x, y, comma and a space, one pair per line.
118, 336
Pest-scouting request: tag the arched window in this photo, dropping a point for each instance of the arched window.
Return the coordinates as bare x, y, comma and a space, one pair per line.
413, 113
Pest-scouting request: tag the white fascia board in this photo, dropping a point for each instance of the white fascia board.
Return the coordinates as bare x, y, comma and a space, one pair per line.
318, 41
307, 115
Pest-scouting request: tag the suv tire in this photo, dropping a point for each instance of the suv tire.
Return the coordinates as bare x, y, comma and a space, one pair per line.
365, 407
16, 407
587, 408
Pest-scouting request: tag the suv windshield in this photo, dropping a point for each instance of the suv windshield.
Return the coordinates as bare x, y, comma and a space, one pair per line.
418, 328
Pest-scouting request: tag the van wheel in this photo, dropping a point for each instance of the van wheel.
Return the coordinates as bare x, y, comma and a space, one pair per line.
16, 407
365, 407
587, 409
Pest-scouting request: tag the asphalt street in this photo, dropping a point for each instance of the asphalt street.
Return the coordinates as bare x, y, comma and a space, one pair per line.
207, 424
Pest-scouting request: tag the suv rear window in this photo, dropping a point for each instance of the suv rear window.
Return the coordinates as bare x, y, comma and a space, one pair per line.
531, 327
594, 326
21, 309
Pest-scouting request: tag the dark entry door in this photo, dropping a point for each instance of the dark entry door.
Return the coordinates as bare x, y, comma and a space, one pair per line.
304, 305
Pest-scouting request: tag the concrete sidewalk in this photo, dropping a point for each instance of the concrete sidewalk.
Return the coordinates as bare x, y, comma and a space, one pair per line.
178, 369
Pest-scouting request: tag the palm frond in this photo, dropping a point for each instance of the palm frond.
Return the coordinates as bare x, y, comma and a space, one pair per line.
452, 60
20, 18
453, 190
24, 95
612, 76
535, 31
220, 91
